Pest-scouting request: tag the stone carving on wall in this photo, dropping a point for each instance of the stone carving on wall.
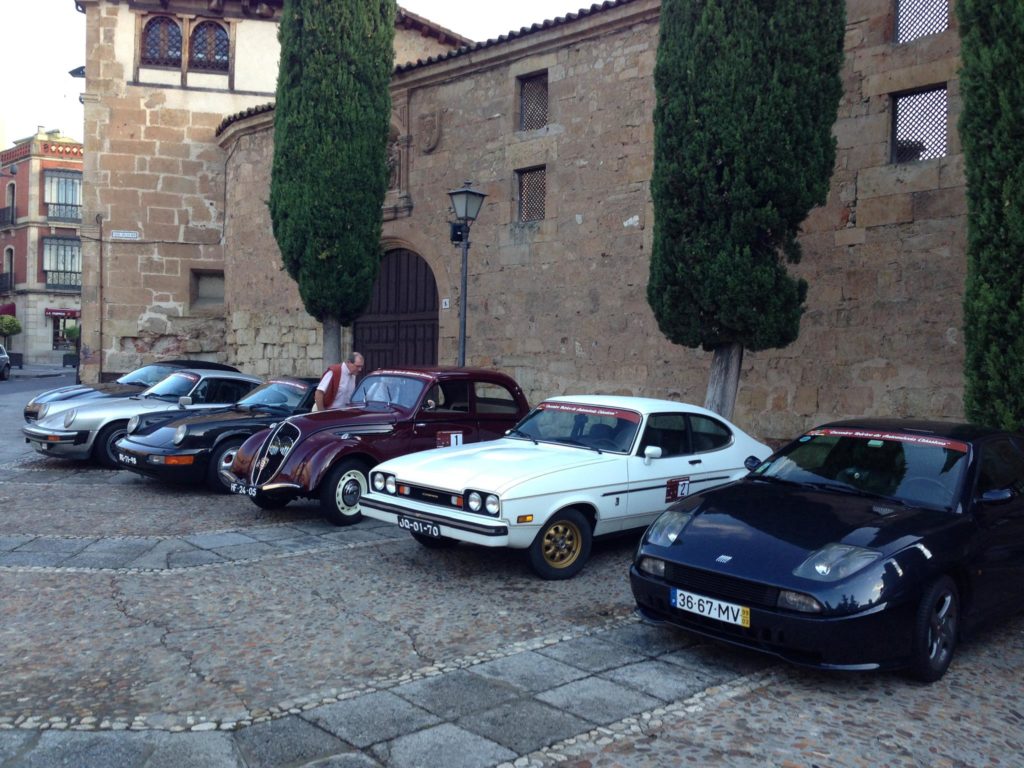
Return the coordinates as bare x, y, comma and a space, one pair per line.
394, 159
428, 129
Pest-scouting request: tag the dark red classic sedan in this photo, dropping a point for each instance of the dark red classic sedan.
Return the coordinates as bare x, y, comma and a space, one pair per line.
328, 455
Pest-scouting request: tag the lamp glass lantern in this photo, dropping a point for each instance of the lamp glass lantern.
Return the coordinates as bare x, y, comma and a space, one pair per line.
466, 202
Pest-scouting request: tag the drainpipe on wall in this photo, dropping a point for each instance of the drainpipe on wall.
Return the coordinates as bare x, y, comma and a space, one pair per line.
99, 300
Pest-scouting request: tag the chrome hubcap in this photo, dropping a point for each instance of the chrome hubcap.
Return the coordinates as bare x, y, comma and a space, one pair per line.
942, 628
349, 490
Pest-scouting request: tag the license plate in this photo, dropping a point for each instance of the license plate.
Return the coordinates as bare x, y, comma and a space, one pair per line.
711, 608
243, 489
124, 458
418, 526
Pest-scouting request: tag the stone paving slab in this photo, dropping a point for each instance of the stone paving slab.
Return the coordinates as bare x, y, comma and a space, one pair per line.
370, 719
288, 741
456, 694
524, 726
443, 745
597, 700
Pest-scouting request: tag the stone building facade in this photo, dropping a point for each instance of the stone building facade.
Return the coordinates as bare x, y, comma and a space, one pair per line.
560, 252
40, 246
161, 75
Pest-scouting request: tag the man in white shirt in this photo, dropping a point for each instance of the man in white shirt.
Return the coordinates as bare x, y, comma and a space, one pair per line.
338, 383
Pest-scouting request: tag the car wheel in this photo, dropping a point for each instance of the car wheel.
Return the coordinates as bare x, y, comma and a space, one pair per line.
562, 546
220, 458
263, 501
103, 450
936, 630
341, 491
5, 374
433, 542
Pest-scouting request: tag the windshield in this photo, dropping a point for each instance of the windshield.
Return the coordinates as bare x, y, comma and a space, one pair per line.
392, 390
914, 469
176, 385
147, 375
285, 394
586, 426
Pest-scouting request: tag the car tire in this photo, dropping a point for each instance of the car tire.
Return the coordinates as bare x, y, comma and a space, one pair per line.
340, 492
5, 374
263, 501
936, 630
103, 450
224, 453
432, 542
562, 546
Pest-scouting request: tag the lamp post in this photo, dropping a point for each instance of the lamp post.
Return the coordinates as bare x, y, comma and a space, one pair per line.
466, 203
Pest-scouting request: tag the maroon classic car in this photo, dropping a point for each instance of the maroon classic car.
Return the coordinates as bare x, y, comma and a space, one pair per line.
328, 455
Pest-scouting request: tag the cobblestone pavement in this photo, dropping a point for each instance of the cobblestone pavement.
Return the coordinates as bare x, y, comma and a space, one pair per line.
145, 625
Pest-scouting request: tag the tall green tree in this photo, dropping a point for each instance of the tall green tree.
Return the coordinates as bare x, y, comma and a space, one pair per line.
747, 92
330, 171
992, 133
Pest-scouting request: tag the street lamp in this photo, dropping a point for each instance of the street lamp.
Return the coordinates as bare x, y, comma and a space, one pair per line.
466, 203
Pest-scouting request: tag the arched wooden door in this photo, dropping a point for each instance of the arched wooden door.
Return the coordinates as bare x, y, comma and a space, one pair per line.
400, 326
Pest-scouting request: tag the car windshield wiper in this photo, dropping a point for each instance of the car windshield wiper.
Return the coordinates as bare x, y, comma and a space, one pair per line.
579, 444
520, 433
775, 479
851, 490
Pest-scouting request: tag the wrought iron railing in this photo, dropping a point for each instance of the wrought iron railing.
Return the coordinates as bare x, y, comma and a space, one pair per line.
5, 282
63, 212
8, 215
64, 281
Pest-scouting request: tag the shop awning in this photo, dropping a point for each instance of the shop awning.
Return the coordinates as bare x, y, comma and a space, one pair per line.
51, 312
7, 309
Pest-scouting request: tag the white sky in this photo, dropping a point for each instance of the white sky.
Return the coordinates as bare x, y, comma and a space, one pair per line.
44, 39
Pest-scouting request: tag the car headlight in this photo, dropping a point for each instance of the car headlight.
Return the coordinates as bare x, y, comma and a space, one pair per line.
666, 529
41, 413
133, 424
474, 501
836, 561
798, 601
390, 485
69, 418
492, 504
652, 565
378, 481
179, 434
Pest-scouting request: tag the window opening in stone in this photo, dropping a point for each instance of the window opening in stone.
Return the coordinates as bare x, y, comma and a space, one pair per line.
920, 18
209, 47
919, 125
161, 43
533, 102
532, 190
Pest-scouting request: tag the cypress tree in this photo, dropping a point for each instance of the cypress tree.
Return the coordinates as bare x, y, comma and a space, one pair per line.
329, 172
747, 92
992, 134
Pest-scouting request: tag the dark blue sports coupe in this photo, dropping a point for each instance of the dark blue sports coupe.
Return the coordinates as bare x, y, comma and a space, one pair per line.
861, 545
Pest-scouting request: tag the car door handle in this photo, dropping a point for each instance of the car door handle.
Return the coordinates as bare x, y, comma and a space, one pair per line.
695, 461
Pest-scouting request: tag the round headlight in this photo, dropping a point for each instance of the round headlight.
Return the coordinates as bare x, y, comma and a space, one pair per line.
275, 447
41, 413
69, 417
286, 445
133, 424
378, 481
493, 506
180, 434
390, 485
475, 502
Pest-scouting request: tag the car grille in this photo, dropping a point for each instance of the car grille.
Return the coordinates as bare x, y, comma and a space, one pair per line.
433, 496
723, 587
266, 464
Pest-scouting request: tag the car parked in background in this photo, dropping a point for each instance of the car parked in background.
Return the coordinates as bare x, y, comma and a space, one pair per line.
862, 545
196, 447
91, 429
131, 383
5, 364
328, 455
573, 469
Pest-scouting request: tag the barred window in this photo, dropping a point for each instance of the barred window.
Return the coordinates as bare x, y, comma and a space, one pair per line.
63, 194
208, 47
533, 101
532, 189
161, 42
919, 125
62, 254
920, 18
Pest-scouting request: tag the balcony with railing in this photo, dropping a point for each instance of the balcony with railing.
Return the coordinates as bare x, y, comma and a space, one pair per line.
6, 283
63, 212
8, 216
64, 281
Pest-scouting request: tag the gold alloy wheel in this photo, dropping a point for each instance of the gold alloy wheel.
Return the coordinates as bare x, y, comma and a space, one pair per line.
563, 543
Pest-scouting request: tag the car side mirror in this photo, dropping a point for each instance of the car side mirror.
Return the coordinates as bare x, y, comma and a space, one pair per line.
184, 401
752, 463
998, 496
652, 452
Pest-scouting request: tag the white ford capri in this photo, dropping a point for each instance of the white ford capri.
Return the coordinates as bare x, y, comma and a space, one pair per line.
572, 469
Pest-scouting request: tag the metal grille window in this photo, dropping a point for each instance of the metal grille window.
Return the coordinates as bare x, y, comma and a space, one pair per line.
62, 262
919, 125
161, 43
63, 195
208, 47
533, 102
532, 189
920, 18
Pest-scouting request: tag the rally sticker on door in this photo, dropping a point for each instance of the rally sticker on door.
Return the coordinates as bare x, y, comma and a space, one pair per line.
444, 439
676, 488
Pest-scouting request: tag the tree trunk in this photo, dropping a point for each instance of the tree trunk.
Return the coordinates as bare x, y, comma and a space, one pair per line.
724, 379
332, 341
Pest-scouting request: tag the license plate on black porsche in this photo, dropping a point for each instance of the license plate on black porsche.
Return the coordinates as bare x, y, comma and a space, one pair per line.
243, 489
126, 459
418, 526
711, 608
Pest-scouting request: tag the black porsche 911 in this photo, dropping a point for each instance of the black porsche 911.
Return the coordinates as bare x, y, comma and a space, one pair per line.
872, 544
193, 449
